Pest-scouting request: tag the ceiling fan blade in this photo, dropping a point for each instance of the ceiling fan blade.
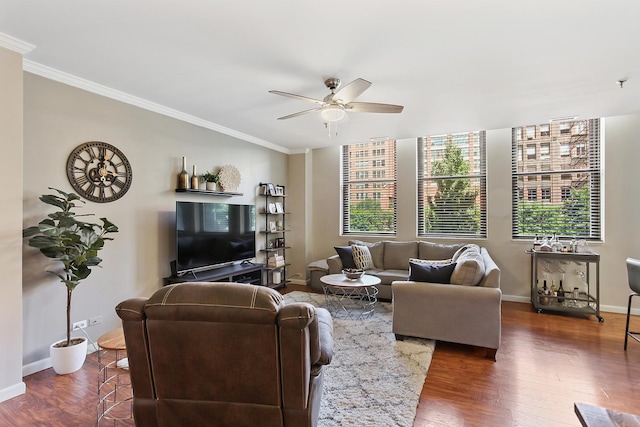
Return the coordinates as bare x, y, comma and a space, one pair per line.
351, 91
303, 98
300, 113
373, 107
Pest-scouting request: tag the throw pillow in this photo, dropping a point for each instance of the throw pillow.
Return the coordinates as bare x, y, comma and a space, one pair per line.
430, 273
346, 256
376, 249
469, 269
469, 247
362, 257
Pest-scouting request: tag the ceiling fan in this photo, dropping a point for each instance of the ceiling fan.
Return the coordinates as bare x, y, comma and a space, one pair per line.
334, 106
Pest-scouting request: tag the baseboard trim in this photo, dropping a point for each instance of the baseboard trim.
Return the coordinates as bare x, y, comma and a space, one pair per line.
603, 308
37, 366
13, 391
42, 364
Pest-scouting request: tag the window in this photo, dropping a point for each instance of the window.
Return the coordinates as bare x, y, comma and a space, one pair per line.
368, 194
531, 151
544, 130
545, 151
452, 185
531, 132
566, 200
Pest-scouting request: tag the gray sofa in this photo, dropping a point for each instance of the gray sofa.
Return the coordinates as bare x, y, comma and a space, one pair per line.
446, 312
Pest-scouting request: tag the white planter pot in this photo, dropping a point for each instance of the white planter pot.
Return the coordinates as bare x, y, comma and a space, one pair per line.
212, 186
66, 360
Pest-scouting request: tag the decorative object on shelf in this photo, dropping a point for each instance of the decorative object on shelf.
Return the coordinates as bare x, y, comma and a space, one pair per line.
183, 176
279, 190
279, 208
195, 179
268, 189
352, 273
99, 172
75, 243
229, 178
272, 208
212, 180
273, 227
279, 242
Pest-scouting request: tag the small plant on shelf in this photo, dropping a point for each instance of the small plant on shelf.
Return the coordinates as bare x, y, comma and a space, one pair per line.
211, 177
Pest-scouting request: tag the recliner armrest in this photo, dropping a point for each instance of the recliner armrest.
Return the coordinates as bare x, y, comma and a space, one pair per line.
325, 332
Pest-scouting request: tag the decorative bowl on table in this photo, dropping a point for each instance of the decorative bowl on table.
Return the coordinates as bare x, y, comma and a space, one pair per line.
352, 273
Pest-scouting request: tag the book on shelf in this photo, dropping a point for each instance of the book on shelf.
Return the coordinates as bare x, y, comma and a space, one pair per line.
276, 261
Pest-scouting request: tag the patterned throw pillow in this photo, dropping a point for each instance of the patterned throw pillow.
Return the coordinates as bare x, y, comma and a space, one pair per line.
362, 257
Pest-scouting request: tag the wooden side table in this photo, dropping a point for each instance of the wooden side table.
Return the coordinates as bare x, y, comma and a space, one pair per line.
115, 396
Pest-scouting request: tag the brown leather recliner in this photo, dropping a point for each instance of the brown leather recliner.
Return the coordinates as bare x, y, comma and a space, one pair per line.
225, 354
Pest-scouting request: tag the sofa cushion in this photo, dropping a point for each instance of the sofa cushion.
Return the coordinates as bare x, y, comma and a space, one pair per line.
389, 276
376, 249
397, 254
431, 273
429, 250
362, 257
469, 269
464, 248
346, 256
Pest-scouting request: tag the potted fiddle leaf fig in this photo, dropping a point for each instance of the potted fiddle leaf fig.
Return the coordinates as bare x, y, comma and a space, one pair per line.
64, 237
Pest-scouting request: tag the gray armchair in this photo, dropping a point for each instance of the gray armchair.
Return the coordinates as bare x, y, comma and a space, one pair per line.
225, 354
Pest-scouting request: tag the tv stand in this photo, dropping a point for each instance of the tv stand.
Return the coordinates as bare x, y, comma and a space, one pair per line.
240, 273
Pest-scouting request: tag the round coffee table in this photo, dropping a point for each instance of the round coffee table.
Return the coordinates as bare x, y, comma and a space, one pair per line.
351, 298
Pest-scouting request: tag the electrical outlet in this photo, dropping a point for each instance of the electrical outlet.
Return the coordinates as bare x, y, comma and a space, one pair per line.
80, 325
95, 320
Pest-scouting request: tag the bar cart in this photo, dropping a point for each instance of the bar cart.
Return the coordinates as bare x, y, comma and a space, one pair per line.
583, 299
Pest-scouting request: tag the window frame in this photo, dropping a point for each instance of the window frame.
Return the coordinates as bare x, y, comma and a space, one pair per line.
369, 184
575, 166
424, 181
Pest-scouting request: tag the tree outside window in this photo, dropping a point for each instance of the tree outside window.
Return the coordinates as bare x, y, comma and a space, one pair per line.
451, 195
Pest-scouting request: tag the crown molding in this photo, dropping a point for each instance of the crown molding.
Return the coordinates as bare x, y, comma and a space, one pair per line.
89, 86
15, 44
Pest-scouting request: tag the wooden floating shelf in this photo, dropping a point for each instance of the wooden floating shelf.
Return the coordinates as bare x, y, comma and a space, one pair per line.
208, 192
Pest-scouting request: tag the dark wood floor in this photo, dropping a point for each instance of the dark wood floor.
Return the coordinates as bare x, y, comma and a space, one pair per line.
546, 363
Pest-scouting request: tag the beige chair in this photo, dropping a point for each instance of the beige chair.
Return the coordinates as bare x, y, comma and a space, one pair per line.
225, 354
633, 271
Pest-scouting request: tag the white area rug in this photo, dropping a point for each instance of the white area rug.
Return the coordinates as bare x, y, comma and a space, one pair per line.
373, 379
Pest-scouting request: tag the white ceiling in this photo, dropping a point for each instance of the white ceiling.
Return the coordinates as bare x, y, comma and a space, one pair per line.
455, 65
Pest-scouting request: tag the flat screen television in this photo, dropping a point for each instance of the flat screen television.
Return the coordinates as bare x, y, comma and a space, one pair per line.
211, 235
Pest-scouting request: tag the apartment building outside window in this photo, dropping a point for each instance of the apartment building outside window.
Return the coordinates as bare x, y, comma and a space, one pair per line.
369, 192
452, 185
559, 189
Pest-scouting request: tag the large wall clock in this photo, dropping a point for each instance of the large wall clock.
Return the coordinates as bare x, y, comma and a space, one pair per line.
99, 171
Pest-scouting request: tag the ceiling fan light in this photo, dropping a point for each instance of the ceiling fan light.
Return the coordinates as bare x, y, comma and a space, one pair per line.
332, 113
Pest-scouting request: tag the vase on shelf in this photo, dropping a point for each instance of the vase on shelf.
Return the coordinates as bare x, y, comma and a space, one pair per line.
195, 179
183, 176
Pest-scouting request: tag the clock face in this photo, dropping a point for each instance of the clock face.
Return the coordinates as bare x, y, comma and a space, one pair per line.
99, 171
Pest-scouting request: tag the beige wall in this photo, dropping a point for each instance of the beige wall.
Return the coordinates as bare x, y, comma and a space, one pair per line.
11, 325
621, 208
57, 119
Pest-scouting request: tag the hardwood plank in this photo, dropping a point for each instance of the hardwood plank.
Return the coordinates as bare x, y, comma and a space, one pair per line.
546, 363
